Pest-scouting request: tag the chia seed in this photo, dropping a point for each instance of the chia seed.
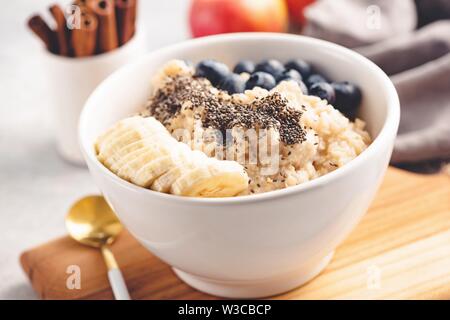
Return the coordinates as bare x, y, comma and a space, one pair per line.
222, 112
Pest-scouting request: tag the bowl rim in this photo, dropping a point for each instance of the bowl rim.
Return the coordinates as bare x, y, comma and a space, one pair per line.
388, 129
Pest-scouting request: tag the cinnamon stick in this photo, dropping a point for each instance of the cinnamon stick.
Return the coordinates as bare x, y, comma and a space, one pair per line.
107, 39
83, 40
43, 31
81, 2
126, 19
62, 32
84, 4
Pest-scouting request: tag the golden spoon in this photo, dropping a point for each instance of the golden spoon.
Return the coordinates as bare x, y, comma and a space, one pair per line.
92, 222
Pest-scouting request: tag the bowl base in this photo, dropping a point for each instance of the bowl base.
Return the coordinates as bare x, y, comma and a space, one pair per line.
257, 288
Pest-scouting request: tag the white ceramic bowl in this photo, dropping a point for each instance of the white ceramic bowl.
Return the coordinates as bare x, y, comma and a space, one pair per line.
258, 245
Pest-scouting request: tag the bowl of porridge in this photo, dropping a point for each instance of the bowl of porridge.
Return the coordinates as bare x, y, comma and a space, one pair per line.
242, 160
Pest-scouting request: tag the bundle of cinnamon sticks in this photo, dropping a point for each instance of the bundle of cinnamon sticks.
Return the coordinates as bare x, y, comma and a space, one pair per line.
87, 27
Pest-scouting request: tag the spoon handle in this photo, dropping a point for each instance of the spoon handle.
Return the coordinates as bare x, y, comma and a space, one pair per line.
115, 276
118, 285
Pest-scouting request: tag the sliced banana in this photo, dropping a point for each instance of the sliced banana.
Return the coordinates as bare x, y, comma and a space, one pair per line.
186, 161
215, 178
167, 154
148, 152
114, 159
143, 152
116, 130
133, 164
127, 132
108, 150
152, 170
164, 145
165, 181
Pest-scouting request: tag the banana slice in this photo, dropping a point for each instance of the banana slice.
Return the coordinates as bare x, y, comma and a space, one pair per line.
168, 158
152, 170
137, 161
129, 137
117, 160
127, 131
149, 153
165, 181
185, 162
114, 159
215, 178
114, 131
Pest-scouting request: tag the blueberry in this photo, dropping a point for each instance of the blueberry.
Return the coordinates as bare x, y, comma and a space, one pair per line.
212, 70
233, 84
293, 75
323, 90
348, 98
273, 67
290, 74
260, 79
244, 66
303, 67
314, 78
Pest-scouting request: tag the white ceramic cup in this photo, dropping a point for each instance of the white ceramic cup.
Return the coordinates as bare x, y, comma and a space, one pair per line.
257, 245
72, 80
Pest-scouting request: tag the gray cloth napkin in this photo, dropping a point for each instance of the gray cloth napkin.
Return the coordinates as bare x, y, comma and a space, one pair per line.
418, 62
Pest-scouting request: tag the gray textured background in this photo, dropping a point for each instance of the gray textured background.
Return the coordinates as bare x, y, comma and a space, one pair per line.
36, 186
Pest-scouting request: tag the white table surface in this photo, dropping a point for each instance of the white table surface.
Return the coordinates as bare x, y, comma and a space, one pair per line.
36, 186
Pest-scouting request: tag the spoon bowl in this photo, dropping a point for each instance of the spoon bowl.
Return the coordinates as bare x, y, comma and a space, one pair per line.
92, 222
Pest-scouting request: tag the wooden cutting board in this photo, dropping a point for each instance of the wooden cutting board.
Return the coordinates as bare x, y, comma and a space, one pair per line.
401, 249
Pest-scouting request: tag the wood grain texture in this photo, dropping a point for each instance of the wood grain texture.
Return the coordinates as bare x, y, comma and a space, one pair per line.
400, 250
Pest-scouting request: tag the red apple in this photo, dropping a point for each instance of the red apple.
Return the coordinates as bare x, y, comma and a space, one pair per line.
208, 17
296, 8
